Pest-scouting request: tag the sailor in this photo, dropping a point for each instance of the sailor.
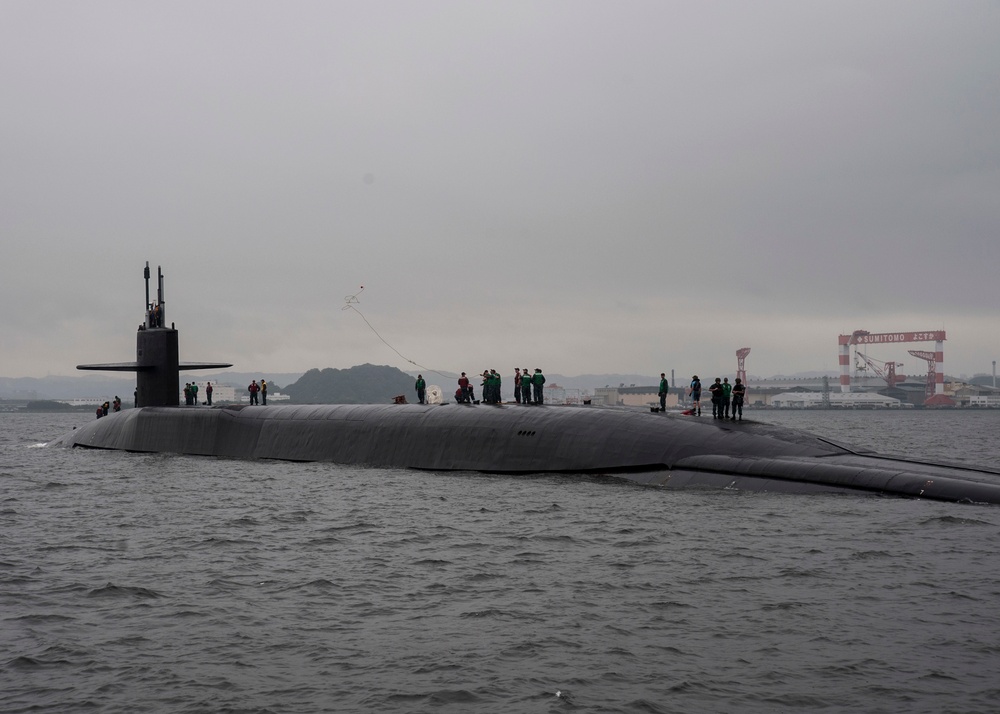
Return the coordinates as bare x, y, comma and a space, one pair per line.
525, 386
208, 393
263, 392
537, 381
421, 387
463, 385
716, 390
739, 391
727, 390
664, 388
253, 389
695, 391
517, 384
491, 379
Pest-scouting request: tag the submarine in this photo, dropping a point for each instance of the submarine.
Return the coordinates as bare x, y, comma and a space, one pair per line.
650, 448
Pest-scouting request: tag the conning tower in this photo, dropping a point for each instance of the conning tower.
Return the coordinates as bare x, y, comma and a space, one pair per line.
157, 365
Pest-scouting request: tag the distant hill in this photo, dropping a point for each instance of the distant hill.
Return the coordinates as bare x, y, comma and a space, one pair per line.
46, 405
364, 384
106, 386
81, 387
276, 380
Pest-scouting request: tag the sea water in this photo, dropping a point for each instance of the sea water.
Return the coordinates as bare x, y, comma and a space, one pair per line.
134, 582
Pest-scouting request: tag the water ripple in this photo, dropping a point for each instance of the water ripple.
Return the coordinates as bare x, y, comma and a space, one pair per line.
152, 582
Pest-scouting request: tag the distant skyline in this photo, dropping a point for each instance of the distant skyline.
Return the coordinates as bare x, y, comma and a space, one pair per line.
580, 186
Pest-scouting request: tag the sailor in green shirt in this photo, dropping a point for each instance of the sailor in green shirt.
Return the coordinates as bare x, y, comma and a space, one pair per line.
727, 390
664, 388
421, 388
537, 380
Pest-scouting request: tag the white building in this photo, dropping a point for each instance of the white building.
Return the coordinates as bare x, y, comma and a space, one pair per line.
991, 401
276, 397
843, 400
220, 392
634, 396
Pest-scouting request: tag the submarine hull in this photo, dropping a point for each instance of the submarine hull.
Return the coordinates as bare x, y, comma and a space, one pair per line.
660, 449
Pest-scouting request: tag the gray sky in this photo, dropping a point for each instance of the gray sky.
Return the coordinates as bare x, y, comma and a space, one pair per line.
574, 185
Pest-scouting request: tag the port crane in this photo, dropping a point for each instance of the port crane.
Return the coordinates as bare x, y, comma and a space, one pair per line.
931, 368
741, 365
885, 370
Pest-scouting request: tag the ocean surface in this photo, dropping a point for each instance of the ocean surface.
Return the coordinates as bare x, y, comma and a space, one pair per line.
134, 583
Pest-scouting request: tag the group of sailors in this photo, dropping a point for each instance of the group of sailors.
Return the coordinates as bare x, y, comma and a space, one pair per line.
103, 409
725, 397
528, 387
191, 393
258, 392
154, 316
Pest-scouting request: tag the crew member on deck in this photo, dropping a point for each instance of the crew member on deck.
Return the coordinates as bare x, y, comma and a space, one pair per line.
739, 391
695, 391
538, 382
716, 390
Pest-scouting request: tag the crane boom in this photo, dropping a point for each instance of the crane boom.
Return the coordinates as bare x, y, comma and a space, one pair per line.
885, 370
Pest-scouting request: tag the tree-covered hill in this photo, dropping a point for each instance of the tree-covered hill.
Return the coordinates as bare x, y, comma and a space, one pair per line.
363, 384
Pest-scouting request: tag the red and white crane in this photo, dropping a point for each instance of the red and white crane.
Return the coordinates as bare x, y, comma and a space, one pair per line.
885, 370
931, 368
933, 394
741, 367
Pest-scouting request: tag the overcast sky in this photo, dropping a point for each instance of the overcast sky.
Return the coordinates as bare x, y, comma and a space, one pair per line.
580, 186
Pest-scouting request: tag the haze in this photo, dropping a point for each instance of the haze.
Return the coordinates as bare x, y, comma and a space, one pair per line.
585, 187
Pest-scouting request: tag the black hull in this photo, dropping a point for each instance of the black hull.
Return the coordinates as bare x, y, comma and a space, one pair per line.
655, 449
